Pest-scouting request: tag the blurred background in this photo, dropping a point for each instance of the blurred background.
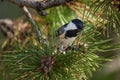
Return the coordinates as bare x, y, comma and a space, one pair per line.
9, 10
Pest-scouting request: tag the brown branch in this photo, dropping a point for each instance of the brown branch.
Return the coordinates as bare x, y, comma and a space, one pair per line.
39, 5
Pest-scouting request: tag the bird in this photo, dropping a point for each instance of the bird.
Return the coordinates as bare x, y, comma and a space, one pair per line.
67, 33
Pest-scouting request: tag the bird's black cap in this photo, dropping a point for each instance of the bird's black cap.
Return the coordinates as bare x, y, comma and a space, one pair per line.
78, 23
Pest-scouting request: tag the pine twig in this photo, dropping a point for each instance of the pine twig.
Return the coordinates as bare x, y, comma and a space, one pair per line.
27, 13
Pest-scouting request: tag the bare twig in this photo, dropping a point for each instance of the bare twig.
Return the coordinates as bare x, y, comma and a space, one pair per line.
27, 13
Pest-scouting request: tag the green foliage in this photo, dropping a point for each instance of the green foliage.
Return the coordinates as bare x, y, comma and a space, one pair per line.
107, 15
22, 63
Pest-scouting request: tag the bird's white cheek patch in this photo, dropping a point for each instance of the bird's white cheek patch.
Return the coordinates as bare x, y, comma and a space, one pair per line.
70, 26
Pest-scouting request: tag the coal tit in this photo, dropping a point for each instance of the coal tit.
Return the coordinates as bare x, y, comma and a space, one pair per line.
67, 33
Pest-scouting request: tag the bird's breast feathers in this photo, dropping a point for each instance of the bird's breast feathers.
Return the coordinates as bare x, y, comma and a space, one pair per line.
66, 42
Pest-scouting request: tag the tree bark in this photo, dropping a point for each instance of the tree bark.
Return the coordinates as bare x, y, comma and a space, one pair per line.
39, 4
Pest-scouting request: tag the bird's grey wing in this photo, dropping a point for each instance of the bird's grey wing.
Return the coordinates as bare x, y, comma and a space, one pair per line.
61, 30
